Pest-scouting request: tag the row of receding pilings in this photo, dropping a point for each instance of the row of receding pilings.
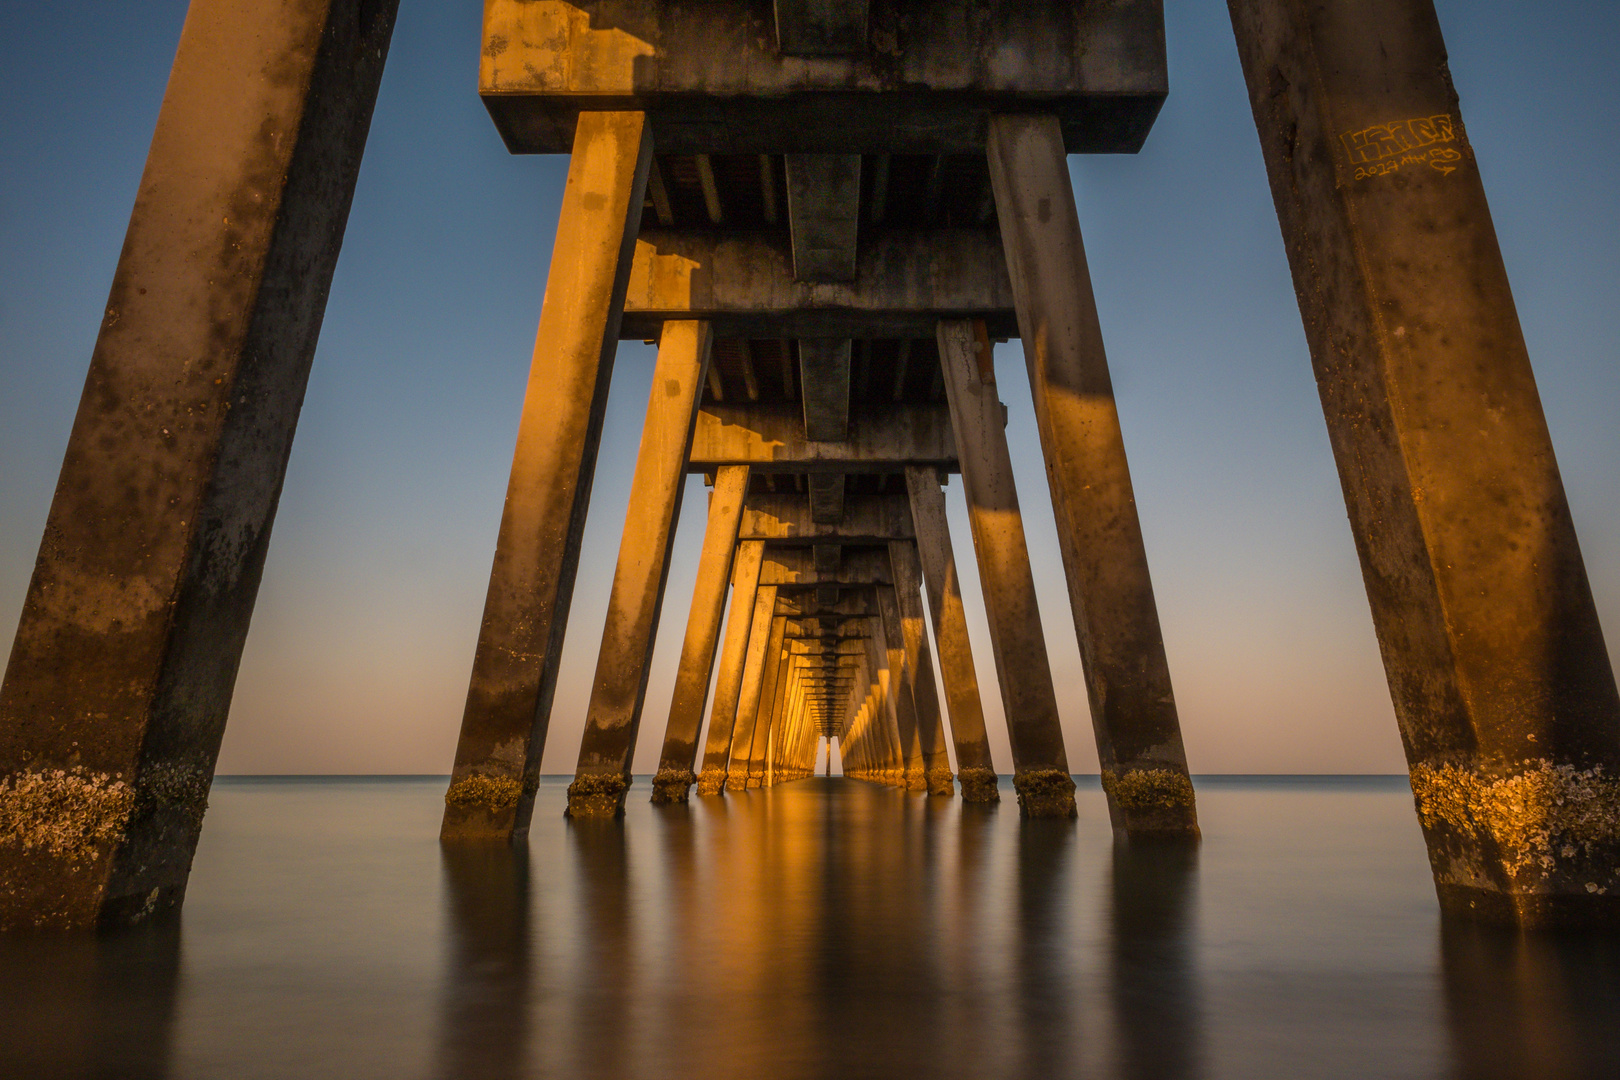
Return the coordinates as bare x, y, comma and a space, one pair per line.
116, 693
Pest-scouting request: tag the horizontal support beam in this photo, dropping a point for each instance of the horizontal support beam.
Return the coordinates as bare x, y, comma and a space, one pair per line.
795, 567
711, 77
770, 438
868, 519
906, 280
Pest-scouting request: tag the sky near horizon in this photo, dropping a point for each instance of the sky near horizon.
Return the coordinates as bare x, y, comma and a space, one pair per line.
363, 635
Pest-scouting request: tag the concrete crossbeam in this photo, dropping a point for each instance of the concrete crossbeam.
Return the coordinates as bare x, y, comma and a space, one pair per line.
795, 567
821, 27
824, 211
712, 77
770, 439
905, 281
824, 379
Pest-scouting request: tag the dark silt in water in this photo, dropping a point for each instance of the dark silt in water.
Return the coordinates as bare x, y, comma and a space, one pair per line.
827, 928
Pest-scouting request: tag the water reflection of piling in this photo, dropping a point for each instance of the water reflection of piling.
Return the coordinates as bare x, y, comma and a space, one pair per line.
602, 982
91, 1006
484, 1004
1153, 981
1044, 974
1530, 1006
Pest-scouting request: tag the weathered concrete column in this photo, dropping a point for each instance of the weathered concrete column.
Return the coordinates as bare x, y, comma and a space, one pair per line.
675, 776
1491, 642
920, 668
503, 730
613, 717
733, 655
974, 767
884, 663
1144, 765
770, 703
902, 678
764, 644
120, 679
1040, 762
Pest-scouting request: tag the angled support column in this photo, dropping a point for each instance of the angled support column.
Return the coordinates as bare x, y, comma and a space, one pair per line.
770, 703
920, 667
620, 687
1040, 763
1144, 765
885, 719
1491, 643
974, 768
764, 631
675, 776
503, 730
733, 656
902, 679
120, 679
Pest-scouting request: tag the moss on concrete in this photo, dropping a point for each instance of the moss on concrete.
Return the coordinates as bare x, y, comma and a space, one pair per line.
712, 782
979, 785
673, 785
71, 813
491, 792
597, 795
1541, 820
1045, 793
1149, 790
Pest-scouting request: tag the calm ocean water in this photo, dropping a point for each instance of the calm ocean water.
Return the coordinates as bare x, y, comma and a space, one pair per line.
828, 928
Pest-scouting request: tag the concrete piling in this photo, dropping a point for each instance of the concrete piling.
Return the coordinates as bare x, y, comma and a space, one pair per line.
120, 678
733, 656
1040, 762
675, 776
1496, 662
613, 717
503, 729
1133, 709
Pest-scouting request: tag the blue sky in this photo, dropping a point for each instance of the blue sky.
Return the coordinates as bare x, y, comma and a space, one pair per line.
363, 636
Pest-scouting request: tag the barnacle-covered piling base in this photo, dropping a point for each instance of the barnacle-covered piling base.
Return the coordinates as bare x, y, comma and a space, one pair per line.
81, 849
940, 782
481, 807
1044, 793
712, 782
1536, 847
1155, 803
597, 795
673, 786
979, 785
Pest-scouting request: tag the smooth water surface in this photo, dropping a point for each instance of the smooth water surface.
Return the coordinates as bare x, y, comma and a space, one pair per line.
827, 928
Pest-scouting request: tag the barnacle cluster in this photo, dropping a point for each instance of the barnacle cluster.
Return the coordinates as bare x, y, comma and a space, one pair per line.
1149, 789
66, 812
1543, 813
493, 792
